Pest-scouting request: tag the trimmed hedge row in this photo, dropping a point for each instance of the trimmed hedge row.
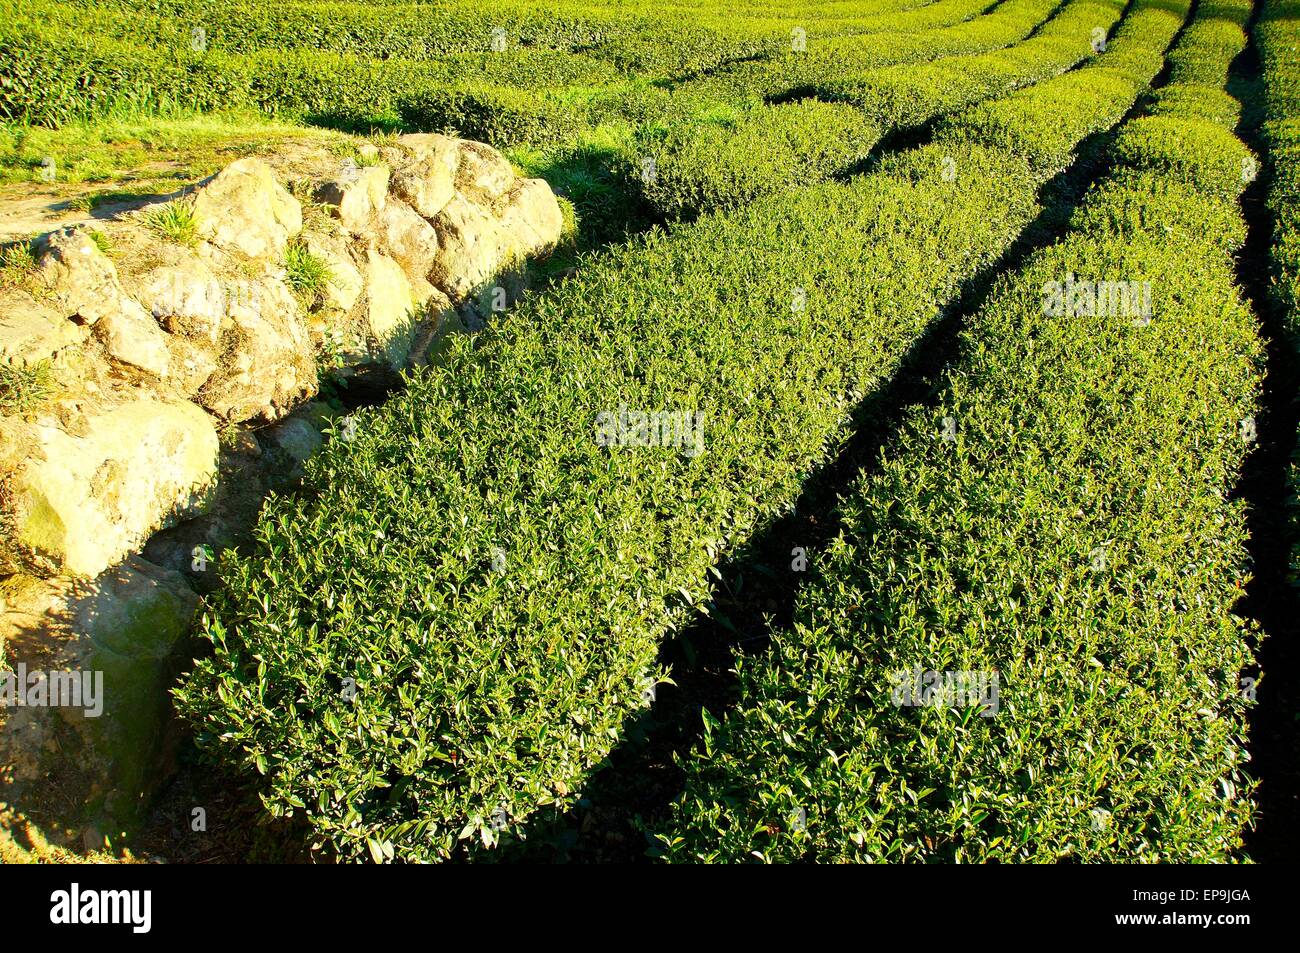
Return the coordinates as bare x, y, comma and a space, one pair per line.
975, 25
901, 96
449, 627
53, 76
1069, 539
1277, 36
704, 165
632, 39
62, 63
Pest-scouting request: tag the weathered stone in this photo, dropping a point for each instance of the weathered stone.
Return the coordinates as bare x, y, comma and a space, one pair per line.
192, 364
243, 209
117, 639
186, 298
469, 248
389, 309
407, 238
132, 337
297, 438
267, 364
79, 276
356, 194
31, 331
531, 220
483, 173
427, 180
82, 495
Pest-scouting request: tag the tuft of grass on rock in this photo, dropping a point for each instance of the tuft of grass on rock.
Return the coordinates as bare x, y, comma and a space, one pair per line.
175, 221
17, 265
307, 274
22, 388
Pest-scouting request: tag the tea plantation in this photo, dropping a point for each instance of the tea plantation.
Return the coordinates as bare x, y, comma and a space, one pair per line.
875, 473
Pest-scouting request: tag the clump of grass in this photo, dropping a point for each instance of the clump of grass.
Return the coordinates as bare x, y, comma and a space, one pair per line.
22, 388
307, 274
175, 222
17, 264
102, 241
352, 149
383, 137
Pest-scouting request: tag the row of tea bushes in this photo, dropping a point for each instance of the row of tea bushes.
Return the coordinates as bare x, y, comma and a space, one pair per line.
1021, 647
452, 623
711, 163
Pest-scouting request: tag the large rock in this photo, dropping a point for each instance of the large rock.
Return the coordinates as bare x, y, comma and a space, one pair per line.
470, 248
483, 174
32, 331
478, 243
425, 175
267, 364
87, 770
390, 307
131, 337
79, 276
531, 220
407, 238
186, 297
356, 195
85, 490
244, 210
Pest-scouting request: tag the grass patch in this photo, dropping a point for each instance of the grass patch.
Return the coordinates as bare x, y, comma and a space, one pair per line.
175, 221
120, 147
17, 264
308, 275
23, 388
102, 241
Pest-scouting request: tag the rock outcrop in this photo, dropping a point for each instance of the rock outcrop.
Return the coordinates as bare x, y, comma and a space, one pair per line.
162, 328
113, 645
86, 487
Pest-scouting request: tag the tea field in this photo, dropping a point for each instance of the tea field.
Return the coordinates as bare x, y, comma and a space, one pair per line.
895, 462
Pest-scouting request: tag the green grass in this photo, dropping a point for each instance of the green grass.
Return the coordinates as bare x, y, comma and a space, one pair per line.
306, 274
173, 221
141, 146
17, 263
23, 388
